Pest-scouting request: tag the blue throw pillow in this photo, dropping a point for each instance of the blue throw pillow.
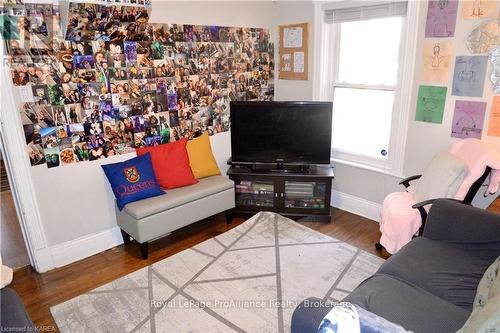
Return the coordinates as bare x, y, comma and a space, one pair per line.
132, 180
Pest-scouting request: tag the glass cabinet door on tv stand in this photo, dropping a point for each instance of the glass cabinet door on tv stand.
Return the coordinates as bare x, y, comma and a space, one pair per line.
304, 195
254, 193
297, 195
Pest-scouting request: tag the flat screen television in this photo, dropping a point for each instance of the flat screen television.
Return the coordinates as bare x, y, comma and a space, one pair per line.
286, 133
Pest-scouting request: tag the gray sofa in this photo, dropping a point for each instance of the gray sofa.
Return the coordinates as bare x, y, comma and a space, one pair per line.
148, 219
13, 316
430, 284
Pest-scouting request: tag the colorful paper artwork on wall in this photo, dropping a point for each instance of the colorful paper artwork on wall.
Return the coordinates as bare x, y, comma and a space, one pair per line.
484, 38
437, 58
441, 18
468, 119
469, 71
120, 82
494, 125
430, 104
478, 9
495, 72
469, 75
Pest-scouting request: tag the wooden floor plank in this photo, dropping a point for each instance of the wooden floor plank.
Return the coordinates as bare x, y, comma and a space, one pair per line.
13, 249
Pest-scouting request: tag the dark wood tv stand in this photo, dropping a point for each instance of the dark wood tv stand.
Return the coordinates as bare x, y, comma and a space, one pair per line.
299, 194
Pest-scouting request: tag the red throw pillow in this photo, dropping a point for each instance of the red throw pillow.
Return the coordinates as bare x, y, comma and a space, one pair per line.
170, 164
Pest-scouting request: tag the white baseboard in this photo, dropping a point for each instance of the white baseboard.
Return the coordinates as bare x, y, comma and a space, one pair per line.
43, 260
86, 246
356, 205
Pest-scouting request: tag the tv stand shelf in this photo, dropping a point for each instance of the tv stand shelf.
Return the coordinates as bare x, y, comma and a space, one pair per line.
303, 195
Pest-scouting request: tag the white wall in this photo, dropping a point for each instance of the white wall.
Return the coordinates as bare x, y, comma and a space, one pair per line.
350, 182
75, 202
290, 13
424, 140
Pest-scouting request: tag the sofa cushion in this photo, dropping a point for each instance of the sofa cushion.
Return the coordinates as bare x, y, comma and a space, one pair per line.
178, 196
201, 158
13, 316
489, 285
486, 314
407, 305
171, 164
132, 180
447, 270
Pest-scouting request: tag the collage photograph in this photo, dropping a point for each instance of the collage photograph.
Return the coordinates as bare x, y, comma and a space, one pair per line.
115, 82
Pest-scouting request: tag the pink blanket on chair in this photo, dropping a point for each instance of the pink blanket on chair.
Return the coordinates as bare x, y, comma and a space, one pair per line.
395, 210
400, 222
493, 182
477, 155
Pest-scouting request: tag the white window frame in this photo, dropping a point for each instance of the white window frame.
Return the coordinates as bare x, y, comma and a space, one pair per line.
325, 72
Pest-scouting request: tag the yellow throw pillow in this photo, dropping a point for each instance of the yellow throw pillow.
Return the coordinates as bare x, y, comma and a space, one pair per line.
201, 158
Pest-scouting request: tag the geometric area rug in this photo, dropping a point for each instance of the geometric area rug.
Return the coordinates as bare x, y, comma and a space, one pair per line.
248, 279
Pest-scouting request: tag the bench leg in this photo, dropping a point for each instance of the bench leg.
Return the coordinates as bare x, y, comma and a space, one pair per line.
126, 237
144, 250
229, 216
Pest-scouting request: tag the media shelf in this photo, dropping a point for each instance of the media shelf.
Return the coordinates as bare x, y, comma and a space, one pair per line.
303, 195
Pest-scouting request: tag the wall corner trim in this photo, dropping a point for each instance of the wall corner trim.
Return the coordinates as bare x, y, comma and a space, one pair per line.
356, 205
86, 246
44, 260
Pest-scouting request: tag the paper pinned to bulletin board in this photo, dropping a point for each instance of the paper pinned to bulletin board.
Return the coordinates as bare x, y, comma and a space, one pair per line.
293, 51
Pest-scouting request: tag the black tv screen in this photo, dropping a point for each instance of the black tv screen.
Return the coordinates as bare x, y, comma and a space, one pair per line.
281, 132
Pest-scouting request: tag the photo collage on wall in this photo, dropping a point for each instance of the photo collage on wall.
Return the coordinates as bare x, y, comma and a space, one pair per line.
118, 82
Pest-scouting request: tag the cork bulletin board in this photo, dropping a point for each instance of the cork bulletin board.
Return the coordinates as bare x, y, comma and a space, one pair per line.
293, 51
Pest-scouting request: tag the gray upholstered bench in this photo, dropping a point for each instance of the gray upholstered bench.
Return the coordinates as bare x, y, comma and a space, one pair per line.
151, 218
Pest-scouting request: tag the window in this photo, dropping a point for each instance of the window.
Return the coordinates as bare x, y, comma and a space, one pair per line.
364, 55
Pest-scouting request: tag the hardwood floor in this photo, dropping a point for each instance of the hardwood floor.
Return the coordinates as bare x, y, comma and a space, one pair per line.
495, 205
12, 245
41, 291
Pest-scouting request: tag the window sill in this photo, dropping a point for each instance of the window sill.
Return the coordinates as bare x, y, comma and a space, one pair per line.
358, 165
